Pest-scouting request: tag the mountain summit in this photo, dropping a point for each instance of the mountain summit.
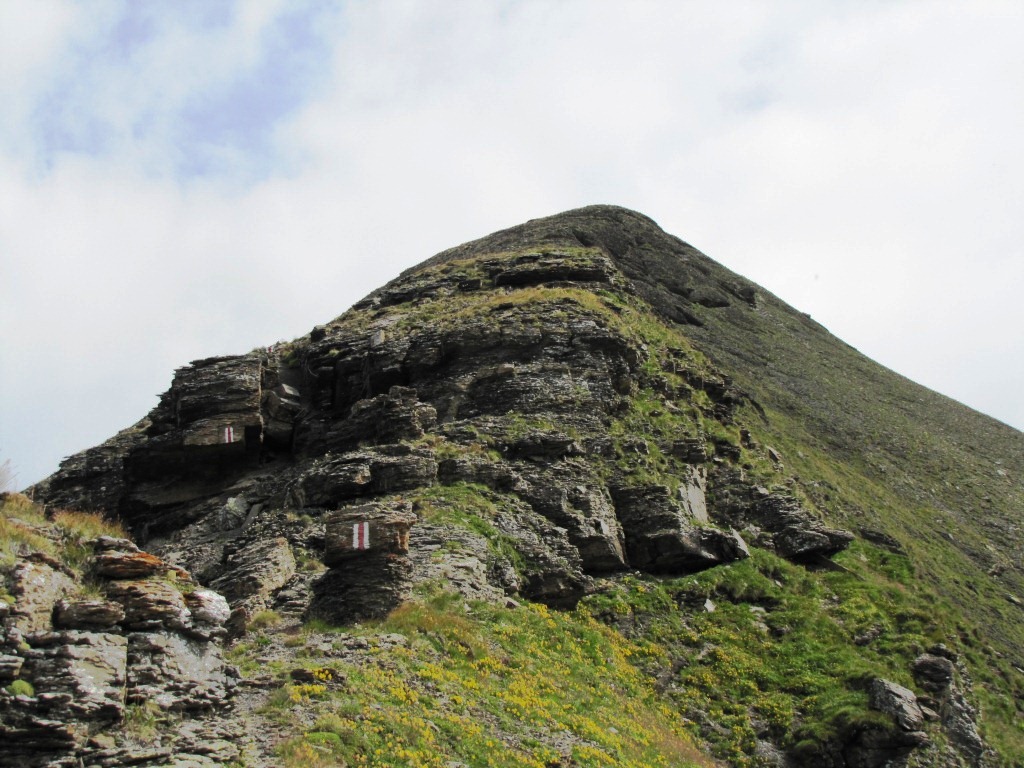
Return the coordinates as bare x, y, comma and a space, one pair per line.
572, 494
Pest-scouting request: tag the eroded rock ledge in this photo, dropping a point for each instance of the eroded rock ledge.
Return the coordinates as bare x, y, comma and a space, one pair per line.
74, 660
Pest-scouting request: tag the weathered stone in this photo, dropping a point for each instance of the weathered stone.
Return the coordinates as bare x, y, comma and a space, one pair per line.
175, 672
88, 666
37, 587
933, 673
150, 603
207, 607
537, 268
87, 614
496, 475
897, 701
362, 588
960, 722
583, 510
113, 564
797, 543
692, 495
797, 535
880, 539
548, 446
10, 666
229, 384
461, 560
105, 543
398, 415
332, 482
257, 568
692, 450
232, 513
661, 538
354, 532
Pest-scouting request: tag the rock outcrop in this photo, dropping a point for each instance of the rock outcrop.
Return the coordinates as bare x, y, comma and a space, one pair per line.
73, 663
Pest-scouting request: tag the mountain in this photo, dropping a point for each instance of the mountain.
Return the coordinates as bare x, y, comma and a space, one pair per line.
572, 494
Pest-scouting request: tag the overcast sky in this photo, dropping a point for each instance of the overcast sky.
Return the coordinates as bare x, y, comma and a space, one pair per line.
183, 179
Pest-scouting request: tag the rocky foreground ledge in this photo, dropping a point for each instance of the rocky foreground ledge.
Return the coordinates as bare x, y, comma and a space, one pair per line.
97, 634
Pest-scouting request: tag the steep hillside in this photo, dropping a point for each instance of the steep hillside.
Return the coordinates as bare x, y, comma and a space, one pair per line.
574, 494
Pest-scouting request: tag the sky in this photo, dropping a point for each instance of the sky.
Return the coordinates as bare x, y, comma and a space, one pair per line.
201, 177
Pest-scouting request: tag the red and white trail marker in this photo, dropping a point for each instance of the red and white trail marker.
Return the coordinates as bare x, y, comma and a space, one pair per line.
229, 434
361, 536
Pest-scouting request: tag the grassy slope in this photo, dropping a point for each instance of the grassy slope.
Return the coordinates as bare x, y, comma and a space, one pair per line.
876, 450
476, 683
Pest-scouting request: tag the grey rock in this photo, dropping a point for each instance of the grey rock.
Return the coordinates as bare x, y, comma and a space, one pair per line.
354, 532
662, 538
207, 607
36, 587
256, 568
933, 673
10, 667
87, 614
897, 701
89, 667
692, 495
175, 672
150, 603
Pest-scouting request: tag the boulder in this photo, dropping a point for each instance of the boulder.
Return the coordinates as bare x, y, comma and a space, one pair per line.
150, 604
87, 614
366, 547
207, 607
663, 538
797, 535
933, 673
367, 529
114, 564
88, 668
36, 587
897, 701
175, 672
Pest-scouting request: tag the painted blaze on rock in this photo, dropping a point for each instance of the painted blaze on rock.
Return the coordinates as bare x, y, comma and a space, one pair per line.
356, 531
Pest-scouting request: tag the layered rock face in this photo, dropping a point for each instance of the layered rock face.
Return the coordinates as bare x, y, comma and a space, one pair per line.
510, 377
74, 662
518, 417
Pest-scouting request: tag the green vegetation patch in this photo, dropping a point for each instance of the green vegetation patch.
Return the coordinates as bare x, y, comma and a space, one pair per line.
488, 686
784, 653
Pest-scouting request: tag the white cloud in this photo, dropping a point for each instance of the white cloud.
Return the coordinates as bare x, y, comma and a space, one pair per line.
862, 161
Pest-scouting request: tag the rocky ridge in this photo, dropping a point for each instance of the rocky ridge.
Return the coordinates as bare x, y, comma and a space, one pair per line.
525, 417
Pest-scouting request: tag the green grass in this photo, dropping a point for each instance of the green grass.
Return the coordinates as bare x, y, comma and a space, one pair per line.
492, 687
21, 688
779, 647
